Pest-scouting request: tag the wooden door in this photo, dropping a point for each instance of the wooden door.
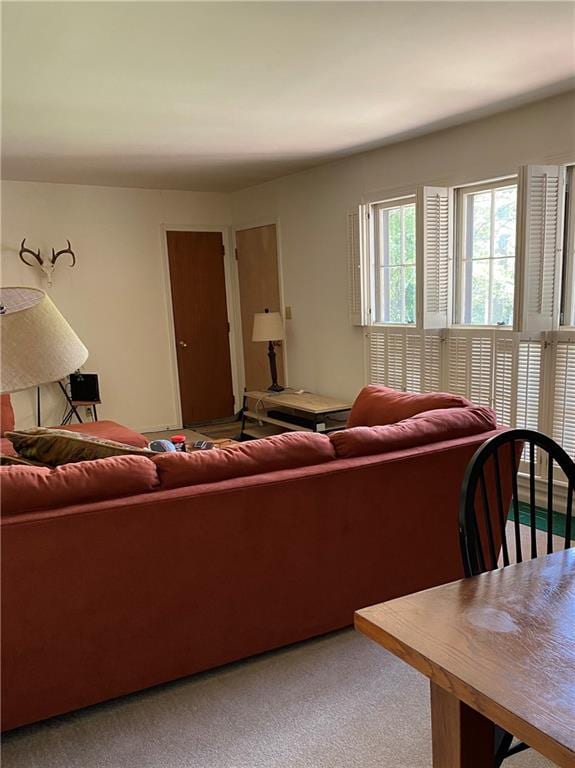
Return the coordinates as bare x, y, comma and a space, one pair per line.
201, 325
256, 252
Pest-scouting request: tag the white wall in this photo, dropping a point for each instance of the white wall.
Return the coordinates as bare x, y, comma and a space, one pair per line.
326, 354
116, 298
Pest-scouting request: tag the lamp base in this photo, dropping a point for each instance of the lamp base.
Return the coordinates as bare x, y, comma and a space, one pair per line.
276, 388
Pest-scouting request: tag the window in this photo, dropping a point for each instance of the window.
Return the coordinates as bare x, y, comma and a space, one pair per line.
487, 216
394, 261
489, 314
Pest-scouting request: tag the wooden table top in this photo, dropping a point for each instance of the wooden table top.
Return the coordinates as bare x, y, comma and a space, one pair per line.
306, 401
502, 642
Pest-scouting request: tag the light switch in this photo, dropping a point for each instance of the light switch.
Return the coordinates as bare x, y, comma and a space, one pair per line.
288, 313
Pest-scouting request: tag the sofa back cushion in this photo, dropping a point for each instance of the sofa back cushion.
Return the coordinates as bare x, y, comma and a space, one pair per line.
61, 446
287, 451
377, 405
421, 429
6, 415
25, 488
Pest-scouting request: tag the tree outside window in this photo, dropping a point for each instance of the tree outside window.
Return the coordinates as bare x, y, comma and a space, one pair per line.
394, 239
487, 255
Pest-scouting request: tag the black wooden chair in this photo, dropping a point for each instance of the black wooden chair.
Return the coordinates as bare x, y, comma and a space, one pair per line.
483, 531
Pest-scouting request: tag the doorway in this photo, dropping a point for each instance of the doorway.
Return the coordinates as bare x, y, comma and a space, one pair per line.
197, 279
258, 277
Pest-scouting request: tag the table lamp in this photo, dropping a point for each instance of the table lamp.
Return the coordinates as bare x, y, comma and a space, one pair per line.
38, 344
268, 326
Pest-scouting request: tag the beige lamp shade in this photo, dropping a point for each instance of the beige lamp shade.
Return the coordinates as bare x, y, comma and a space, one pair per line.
268, 326
38, 344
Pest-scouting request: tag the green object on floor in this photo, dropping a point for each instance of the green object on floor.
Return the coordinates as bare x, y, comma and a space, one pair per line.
540, 518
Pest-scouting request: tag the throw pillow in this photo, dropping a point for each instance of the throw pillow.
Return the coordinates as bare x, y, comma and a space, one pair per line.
9, 461
375, 405
58, 446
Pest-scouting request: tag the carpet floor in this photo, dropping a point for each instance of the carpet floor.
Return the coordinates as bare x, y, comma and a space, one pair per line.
338, 701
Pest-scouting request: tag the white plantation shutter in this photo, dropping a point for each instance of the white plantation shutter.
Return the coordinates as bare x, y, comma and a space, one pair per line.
358, 311
481, 371
517, 380
529, 384
498, 368
469, 364
539, 245
434, 263
386, 358
457, 363
396, 359
432, 354
413, 361
564, 393
405, 358
376, 354
504, 379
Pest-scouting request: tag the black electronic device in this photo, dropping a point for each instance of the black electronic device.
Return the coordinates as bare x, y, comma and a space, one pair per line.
84, 388
202, 445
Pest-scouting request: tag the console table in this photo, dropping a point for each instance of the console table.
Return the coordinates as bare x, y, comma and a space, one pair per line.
270, 413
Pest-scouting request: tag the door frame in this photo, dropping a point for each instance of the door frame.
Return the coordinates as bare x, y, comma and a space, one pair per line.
254, 225
233, 310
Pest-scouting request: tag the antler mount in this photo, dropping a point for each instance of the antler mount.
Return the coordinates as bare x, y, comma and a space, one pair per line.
47, 267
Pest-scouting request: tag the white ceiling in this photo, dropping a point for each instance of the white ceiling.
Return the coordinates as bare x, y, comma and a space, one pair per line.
219, 96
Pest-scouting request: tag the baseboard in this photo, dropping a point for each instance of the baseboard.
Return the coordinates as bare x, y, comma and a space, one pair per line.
559, 492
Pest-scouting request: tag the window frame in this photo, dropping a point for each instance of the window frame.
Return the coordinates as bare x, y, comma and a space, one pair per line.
375, 267
567, 308
459, 242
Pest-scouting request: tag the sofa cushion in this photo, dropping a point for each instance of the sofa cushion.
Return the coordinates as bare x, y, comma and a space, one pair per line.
60, 446
377, 405
421, 429
287, 451
108, 430
6, 414
24, 489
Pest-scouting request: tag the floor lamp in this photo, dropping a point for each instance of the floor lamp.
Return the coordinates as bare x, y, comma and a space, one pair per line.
38, 344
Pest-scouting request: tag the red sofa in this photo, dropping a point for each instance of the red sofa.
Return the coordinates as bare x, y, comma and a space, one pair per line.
108, 597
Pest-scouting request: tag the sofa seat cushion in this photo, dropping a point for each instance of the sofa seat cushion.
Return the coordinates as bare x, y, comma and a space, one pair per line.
108, 430
25, 489
6, 414
60, 446
421, 429
287, 451
375, 405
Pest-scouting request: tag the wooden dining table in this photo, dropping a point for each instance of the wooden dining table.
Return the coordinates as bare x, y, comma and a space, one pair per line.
498, 648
